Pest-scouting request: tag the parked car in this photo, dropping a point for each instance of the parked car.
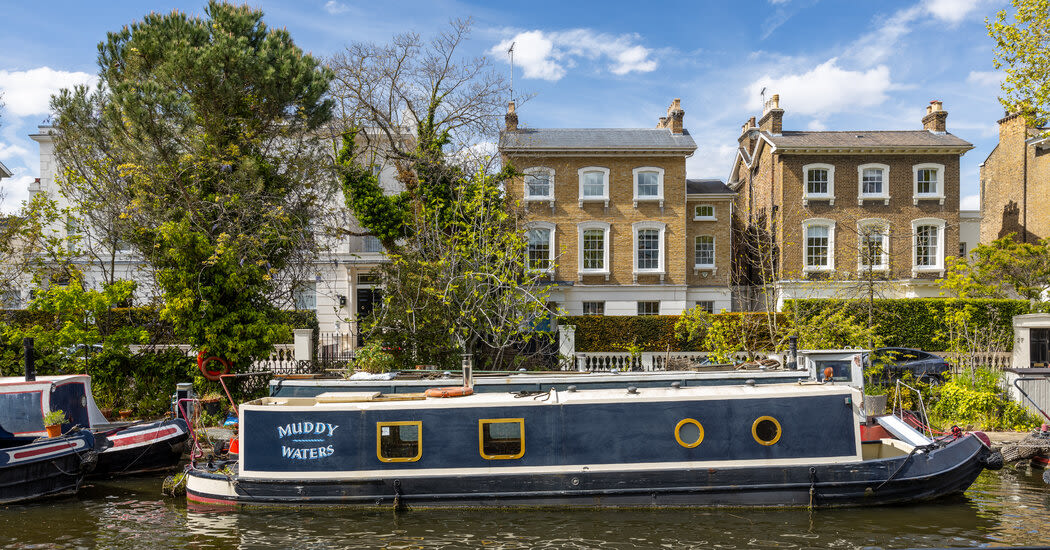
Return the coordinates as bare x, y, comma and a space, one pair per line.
924, 366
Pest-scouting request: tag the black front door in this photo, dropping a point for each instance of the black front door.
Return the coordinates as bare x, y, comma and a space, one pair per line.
1040, 347
367, 298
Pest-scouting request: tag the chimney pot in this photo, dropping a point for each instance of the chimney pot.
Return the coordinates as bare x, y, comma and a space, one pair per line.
674, 118
937, 105
936, 118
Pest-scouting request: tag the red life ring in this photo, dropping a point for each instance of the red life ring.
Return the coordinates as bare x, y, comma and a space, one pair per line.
454, 391
212, 375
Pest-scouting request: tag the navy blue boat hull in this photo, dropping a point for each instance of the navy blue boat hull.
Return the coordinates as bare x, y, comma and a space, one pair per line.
923, 476
45, 468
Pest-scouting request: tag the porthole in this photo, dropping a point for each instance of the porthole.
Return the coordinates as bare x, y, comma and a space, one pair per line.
689, 433
766, 430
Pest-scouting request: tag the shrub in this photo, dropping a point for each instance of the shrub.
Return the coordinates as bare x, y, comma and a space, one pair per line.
655, 333
373, 358
979, 400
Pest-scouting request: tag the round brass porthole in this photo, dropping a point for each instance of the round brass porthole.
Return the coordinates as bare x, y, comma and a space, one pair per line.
689, 433
766, 430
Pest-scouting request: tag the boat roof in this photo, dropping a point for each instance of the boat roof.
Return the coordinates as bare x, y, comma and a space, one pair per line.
550, 378
13, 380
378, 400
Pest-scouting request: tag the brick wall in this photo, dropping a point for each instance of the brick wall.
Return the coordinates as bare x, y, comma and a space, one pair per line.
621, 213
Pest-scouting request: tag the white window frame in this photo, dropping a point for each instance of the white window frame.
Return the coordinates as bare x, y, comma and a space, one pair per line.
824, 222
580, 229
659, 185
939, 195
551, 227
697, 266
884, 196
638, 305
938, 267
526, 197
884, 260
661, 228
830, 195
698, 218
604, 198
583, 307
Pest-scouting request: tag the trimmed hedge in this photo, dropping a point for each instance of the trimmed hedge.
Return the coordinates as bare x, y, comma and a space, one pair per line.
904, 322
647, 332
916, 322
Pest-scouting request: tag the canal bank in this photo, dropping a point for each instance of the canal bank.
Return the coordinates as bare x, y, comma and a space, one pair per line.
1008, 507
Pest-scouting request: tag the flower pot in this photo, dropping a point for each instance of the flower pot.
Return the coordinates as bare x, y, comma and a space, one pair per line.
212, 406
875, 405
54, 430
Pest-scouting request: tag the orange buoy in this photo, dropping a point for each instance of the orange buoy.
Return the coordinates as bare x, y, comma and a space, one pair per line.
454, 391
212, 375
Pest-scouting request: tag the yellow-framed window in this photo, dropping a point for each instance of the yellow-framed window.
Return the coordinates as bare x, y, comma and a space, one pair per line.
399, 441
766, 430
501, 438
689, 433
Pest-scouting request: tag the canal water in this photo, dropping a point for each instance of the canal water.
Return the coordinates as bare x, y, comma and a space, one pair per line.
1010, 507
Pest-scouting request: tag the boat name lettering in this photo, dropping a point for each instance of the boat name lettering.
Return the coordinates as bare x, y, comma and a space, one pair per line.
303, 428
307, 454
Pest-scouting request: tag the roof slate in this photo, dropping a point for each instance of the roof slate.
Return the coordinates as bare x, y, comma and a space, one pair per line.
597, 139
864, 138
706, 187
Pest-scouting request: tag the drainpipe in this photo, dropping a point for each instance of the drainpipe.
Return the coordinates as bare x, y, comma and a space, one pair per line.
29, 360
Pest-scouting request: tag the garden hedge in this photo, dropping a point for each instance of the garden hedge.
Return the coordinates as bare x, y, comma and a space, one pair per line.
646, 332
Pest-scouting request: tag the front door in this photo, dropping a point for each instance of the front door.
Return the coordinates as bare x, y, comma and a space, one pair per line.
1040, 347
367, 298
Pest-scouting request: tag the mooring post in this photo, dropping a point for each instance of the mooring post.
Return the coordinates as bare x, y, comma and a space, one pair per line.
29, 360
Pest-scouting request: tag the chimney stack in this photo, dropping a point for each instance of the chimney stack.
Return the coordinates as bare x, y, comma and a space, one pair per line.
936, 118
674, 118
511, 118
772, 120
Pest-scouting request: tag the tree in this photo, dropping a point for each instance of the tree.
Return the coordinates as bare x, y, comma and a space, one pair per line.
458, 279
205, 137
1004, 268
1022, 47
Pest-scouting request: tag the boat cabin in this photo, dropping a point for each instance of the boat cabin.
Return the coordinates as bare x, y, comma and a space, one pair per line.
23, 404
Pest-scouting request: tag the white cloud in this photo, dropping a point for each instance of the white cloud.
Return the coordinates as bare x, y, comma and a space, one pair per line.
335, 8
8, 152
13, 191
825, 89
970, 202
816, 125
985, 78
548, 55
877, 45
951, 11
29, 92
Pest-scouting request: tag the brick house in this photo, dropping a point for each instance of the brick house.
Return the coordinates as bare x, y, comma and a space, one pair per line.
1015, 183
614, 220
819, 211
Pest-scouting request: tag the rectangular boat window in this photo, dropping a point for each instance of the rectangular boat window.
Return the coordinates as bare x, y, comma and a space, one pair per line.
399, 441
501, 439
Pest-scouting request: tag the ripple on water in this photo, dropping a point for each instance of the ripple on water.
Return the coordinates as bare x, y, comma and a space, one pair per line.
1002, 508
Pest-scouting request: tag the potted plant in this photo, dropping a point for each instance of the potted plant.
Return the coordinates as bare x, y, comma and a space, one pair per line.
211, 403
53, 422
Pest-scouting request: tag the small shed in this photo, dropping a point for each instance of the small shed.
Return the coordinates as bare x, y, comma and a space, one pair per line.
1030, 368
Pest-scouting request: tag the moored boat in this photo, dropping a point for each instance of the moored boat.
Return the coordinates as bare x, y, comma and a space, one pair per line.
124, 448
745, 445
45, 468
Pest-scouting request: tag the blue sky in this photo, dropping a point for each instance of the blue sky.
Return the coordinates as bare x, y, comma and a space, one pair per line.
837, 65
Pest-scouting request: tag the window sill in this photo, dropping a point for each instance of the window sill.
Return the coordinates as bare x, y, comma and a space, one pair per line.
548, 200
807, 198
598, 272
916, 270
879, 268
705, 269
705, 219
604, 200
817, 269
649, 199
884, 198
642, 273
917, 198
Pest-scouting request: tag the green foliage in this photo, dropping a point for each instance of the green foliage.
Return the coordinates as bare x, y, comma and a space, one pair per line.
978, 399
915, 322
142, 383
1022, 49
75, 326
1005, 268
833, 327
657, 333
201, 144
373, 358
55, 418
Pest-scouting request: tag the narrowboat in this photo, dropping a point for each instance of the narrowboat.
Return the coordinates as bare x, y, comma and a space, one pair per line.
45, 468
740, 445
124, 448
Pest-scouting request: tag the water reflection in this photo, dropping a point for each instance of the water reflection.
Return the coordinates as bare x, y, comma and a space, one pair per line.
1008, 507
